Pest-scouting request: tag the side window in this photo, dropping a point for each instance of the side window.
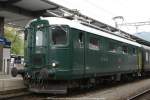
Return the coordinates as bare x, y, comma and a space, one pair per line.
118, 49
25, 34
94, 43
80, 38
112, 47
149, 57
134, 51
146, 56
124, 49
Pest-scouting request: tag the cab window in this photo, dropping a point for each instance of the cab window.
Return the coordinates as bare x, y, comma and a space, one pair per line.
39, 38
59, 35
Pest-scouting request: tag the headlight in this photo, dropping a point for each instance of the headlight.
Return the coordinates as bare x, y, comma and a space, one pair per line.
53, 64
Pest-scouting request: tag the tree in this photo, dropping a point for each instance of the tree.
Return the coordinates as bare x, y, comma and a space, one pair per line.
17, 42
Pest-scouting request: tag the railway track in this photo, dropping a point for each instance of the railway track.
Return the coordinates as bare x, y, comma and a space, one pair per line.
74, 94
145, 95
13, 94
78, 96
88, 94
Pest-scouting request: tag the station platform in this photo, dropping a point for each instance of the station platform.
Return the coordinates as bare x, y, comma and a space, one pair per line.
8, 83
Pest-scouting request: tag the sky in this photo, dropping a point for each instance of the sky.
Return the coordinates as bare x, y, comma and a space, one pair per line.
105, 10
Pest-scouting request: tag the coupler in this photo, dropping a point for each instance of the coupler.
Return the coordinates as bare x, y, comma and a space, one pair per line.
15, 72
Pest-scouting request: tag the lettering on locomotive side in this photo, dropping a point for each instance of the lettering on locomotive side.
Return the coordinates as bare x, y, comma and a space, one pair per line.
104, 59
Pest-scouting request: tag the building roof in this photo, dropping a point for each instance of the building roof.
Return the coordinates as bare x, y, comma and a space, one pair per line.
19, 12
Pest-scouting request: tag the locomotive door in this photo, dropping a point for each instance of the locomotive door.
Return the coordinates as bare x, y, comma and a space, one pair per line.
139, 60
40, 44
79, 53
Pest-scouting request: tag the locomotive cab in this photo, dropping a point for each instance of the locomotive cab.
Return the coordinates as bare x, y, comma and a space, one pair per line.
46, 47
47, 53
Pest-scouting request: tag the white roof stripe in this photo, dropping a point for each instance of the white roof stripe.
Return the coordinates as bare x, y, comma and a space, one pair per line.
145, 47
77, 25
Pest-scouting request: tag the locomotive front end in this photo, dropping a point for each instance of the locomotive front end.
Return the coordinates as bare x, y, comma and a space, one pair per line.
47, 54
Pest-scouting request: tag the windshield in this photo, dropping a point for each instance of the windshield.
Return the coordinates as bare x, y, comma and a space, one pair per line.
59, 35
39, 38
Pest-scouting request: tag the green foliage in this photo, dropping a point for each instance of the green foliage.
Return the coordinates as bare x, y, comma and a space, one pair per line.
17, 42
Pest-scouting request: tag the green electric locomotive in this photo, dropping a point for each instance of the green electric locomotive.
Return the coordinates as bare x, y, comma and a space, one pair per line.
62, 54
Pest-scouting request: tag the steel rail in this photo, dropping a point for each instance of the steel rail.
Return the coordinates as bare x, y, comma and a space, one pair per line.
14, 95
139, 94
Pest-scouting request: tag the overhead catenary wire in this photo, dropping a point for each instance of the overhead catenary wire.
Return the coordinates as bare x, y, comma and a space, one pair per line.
99, 7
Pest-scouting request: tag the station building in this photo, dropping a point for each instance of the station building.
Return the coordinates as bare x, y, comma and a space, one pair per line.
5, 61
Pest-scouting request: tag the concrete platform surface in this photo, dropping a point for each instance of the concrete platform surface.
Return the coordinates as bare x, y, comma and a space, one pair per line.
8, 83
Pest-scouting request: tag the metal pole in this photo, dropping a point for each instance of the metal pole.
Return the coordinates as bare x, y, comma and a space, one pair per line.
1, 47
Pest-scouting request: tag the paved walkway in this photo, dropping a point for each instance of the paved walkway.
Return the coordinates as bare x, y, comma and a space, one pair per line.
10, 83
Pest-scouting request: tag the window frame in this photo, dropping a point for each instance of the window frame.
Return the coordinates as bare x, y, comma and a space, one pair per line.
41, 43
127, 49
134, 50
67, 36
98, 45
146, 56
114, 44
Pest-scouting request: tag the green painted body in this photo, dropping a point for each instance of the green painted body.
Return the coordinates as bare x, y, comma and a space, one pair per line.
76, 60
92, 63
145, 56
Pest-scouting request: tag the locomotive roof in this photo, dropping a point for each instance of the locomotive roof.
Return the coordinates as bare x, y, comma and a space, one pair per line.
76, 24
145, 47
